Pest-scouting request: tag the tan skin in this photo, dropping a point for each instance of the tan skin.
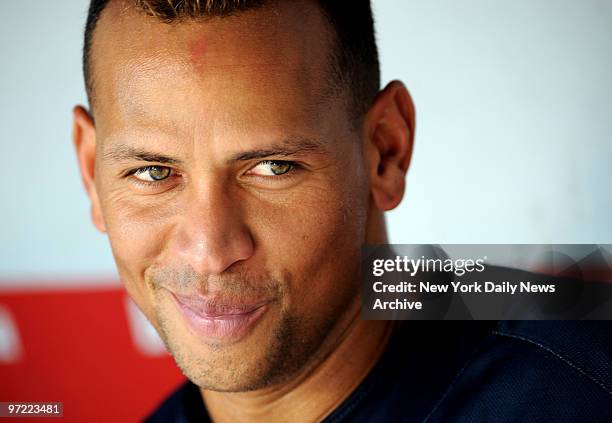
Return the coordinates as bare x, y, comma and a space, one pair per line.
260, 188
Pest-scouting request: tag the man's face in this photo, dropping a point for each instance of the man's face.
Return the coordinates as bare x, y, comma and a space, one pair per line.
232, 186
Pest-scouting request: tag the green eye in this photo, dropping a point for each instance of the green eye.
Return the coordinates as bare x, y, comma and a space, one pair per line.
278, 168
272, 168
153, 173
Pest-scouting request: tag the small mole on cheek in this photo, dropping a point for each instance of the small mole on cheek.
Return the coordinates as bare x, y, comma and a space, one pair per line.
197, 48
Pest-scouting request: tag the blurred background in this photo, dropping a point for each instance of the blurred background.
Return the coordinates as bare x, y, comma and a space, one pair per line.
513, 145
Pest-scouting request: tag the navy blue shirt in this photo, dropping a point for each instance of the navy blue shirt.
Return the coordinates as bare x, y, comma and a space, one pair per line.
470, 371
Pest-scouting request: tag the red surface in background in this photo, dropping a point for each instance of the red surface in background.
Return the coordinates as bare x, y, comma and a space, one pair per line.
77, 349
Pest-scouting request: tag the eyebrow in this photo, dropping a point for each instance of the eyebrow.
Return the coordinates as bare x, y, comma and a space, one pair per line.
122, 152
287, 147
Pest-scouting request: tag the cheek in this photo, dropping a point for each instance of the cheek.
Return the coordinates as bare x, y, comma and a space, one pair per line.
136, 233
316, 238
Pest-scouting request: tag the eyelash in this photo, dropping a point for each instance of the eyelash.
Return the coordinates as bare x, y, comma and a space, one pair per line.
150, 184
294, 168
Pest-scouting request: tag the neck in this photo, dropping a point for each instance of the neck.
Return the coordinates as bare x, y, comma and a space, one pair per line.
317, 390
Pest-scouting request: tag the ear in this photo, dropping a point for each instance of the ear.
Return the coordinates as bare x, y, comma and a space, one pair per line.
389, 134
84, 138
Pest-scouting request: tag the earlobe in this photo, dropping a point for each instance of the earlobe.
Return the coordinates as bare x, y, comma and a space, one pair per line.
84, 139
389, 126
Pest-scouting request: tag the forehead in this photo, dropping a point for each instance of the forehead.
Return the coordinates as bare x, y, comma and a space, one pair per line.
273, 57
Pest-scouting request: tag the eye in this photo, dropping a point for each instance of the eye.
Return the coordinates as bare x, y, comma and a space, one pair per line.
272, 168
153, 173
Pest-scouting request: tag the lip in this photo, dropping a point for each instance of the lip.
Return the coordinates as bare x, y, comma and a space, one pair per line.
216, 320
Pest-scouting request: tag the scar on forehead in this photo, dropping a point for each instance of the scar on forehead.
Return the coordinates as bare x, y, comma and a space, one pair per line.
197, 49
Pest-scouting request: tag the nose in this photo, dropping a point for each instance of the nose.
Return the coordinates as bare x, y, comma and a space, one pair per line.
211, 234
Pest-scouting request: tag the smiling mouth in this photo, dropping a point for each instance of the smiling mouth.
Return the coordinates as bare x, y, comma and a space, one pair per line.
220, 321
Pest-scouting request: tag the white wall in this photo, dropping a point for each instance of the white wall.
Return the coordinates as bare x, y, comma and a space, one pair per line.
44, 229
514, 119
514, 129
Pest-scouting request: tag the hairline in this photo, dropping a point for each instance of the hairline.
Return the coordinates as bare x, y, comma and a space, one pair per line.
336, 83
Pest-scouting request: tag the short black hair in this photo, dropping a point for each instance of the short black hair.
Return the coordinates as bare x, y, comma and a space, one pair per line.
355, 57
